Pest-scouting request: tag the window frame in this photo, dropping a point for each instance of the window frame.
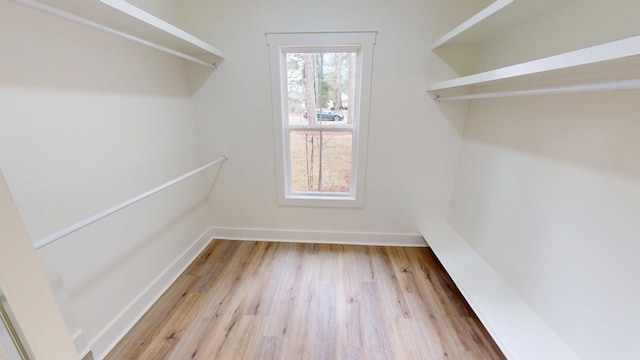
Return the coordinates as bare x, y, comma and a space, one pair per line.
279, 45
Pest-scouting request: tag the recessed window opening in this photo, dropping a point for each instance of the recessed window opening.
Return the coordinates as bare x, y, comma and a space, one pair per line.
321, 91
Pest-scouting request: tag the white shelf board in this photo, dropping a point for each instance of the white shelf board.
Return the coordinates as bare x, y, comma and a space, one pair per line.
122, 16
516, 328
605, 56
160, 24
499, 16
471, 22
619, 85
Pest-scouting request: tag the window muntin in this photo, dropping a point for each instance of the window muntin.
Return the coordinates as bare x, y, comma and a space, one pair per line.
321, 157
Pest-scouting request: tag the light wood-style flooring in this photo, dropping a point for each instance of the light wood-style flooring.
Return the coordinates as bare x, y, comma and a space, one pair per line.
265, 300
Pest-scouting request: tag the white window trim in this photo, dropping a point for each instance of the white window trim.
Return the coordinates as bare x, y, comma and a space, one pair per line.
335, 41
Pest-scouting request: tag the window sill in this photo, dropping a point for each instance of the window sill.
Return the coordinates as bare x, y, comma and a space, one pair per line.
321, 201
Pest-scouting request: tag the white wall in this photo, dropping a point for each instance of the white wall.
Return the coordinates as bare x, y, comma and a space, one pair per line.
548, 188
412, 146
87, 121
24, 284
548, 192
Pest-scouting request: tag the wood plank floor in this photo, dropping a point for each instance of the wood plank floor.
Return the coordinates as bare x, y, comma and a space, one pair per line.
262, 300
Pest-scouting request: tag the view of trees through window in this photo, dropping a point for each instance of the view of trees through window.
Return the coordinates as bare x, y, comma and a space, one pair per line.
320, 89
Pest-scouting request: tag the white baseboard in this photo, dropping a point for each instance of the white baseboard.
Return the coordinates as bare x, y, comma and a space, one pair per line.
118, 328
517, 329
318, 237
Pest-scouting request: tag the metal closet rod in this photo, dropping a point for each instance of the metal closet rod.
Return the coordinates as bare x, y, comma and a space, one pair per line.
101, 215
632, 84
34, 4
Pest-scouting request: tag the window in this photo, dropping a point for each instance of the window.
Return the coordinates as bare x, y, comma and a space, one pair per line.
320, 92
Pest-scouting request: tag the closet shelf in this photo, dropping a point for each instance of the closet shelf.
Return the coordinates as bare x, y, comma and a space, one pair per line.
516, 328
603, 62
135, 23
619, 85
494, 19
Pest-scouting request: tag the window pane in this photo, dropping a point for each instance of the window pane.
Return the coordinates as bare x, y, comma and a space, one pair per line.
319, 86
321, 161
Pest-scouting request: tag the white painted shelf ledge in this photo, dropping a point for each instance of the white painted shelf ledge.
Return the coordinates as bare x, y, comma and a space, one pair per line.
517, 329
620, 85
497, 17
120, 18
602, 59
